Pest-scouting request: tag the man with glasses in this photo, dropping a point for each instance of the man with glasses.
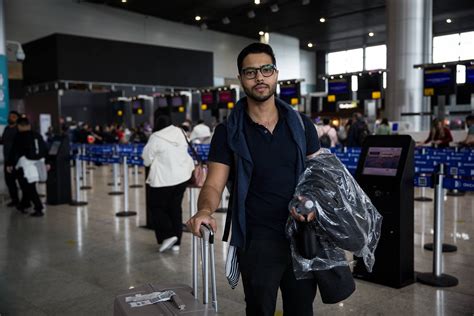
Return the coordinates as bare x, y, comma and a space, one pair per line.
262, 149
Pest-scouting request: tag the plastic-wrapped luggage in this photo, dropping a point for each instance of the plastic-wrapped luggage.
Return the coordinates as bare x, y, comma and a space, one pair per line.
346, 219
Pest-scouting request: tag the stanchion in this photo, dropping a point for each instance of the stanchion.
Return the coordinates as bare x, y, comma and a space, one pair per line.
126, 212
192, 211
115, 175
437, 277
113, 183
135, 177
84, 171
78, 201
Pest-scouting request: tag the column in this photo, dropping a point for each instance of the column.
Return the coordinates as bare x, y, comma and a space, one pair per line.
406, 43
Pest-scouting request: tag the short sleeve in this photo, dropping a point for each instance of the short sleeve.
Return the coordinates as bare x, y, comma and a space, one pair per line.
312, 140
220, 150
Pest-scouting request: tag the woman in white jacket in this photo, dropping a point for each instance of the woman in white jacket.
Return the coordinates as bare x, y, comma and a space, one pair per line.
171, 167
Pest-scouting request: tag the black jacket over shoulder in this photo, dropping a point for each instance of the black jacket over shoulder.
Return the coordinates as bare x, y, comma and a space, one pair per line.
29, 144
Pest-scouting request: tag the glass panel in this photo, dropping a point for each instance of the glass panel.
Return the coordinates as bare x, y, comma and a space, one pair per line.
446, 48
376, 57
355, 60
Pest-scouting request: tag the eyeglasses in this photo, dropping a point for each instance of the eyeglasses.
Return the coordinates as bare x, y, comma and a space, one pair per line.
265, 70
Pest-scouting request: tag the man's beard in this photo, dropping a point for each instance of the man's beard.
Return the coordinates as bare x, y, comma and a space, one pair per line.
259, 97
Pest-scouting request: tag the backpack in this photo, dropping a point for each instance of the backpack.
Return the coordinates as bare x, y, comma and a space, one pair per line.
37, 149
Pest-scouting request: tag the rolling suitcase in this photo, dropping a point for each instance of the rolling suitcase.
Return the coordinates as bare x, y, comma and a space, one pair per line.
182, 299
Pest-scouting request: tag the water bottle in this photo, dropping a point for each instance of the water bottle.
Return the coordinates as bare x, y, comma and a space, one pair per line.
306, 239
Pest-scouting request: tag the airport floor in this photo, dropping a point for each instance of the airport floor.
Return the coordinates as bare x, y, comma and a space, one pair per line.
74, 260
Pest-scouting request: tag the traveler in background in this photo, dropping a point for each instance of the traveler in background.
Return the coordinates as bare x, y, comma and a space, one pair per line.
327, 135
343, 131
201, 133
383, 128
358, 131
440, 135
262, 147
171, 167
8, 137
27, 155
469, 140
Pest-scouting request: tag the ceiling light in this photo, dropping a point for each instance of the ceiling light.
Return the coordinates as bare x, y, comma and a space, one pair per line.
305, 2
257, 2
310, 44
251, 14
449, 21
124, 1
225, 20
371, 34
274, 8
197, 18
261, 33
322, 20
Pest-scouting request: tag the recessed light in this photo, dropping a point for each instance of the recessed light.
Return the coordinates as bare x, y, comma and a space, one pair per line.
124, 1
197, 18
449, 21
310, 44
371, 34
256, 2
261, 33
332, 77
340, 76
322, 20
251, 14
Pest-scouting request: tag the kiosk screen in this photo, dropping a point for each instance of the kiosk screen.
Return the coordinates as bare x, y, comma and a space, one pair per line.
161, 102
207, 98
176, 101
225, 96
382, 161
53, 151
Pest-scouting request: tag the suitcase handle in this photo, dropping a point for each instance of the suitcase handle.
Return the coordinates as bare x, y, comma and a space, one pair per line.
208, 259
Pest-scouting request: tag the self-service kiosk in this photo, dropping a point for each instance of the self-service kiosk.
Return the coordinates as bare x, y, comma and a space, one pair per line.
226, 99
160, 106
386, 173
58, 185
208, 104
179, 104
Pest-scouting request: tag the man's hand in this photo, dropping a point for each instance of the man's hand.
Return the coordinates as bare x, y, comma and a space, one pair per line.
9, 169
311, 216
48, 167
201, 217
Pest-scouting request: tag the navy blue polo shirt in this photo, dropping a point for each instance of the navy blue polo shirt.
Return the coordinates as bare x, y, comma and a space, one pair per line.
273, 179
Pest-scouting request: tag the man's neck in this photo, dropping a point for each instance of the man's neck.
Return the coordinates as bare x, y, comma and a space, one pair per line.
262, 111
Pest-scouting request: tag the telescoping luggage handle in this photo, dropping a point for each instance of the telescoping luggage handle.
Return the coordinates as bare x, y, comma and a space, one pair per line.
208, 258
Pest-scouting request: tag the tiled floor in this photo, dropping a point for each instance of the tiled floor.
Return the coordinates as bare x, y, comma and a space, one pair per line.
74, 260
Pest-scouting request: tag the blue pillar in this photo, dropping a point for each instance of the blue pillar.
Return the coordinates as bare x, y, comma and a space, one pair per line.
3, 70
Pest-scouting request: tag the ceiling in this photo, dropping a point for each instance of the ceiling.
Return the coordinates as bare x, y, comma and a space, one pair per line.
347, 22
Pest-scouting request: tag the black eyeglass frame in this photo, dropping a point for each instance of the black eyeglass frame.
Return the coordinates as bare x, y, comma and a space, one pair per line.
273, 67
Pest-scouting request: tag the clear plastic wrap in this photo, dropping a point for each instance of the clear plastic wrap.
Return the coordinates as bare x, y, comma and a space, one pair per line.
346, 219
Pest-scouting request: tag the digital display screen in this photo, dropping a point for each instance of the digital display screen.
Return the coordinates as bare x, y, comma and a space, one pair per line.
370, 82
54, 149
470, 74
438, 77
161, 102
338, 86
177, 101
288, 91
226, 96
207, 98
382, 161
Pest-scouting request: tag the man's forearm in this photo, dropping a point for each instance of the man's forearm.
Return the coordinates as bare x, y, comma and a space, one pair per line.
209, 199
